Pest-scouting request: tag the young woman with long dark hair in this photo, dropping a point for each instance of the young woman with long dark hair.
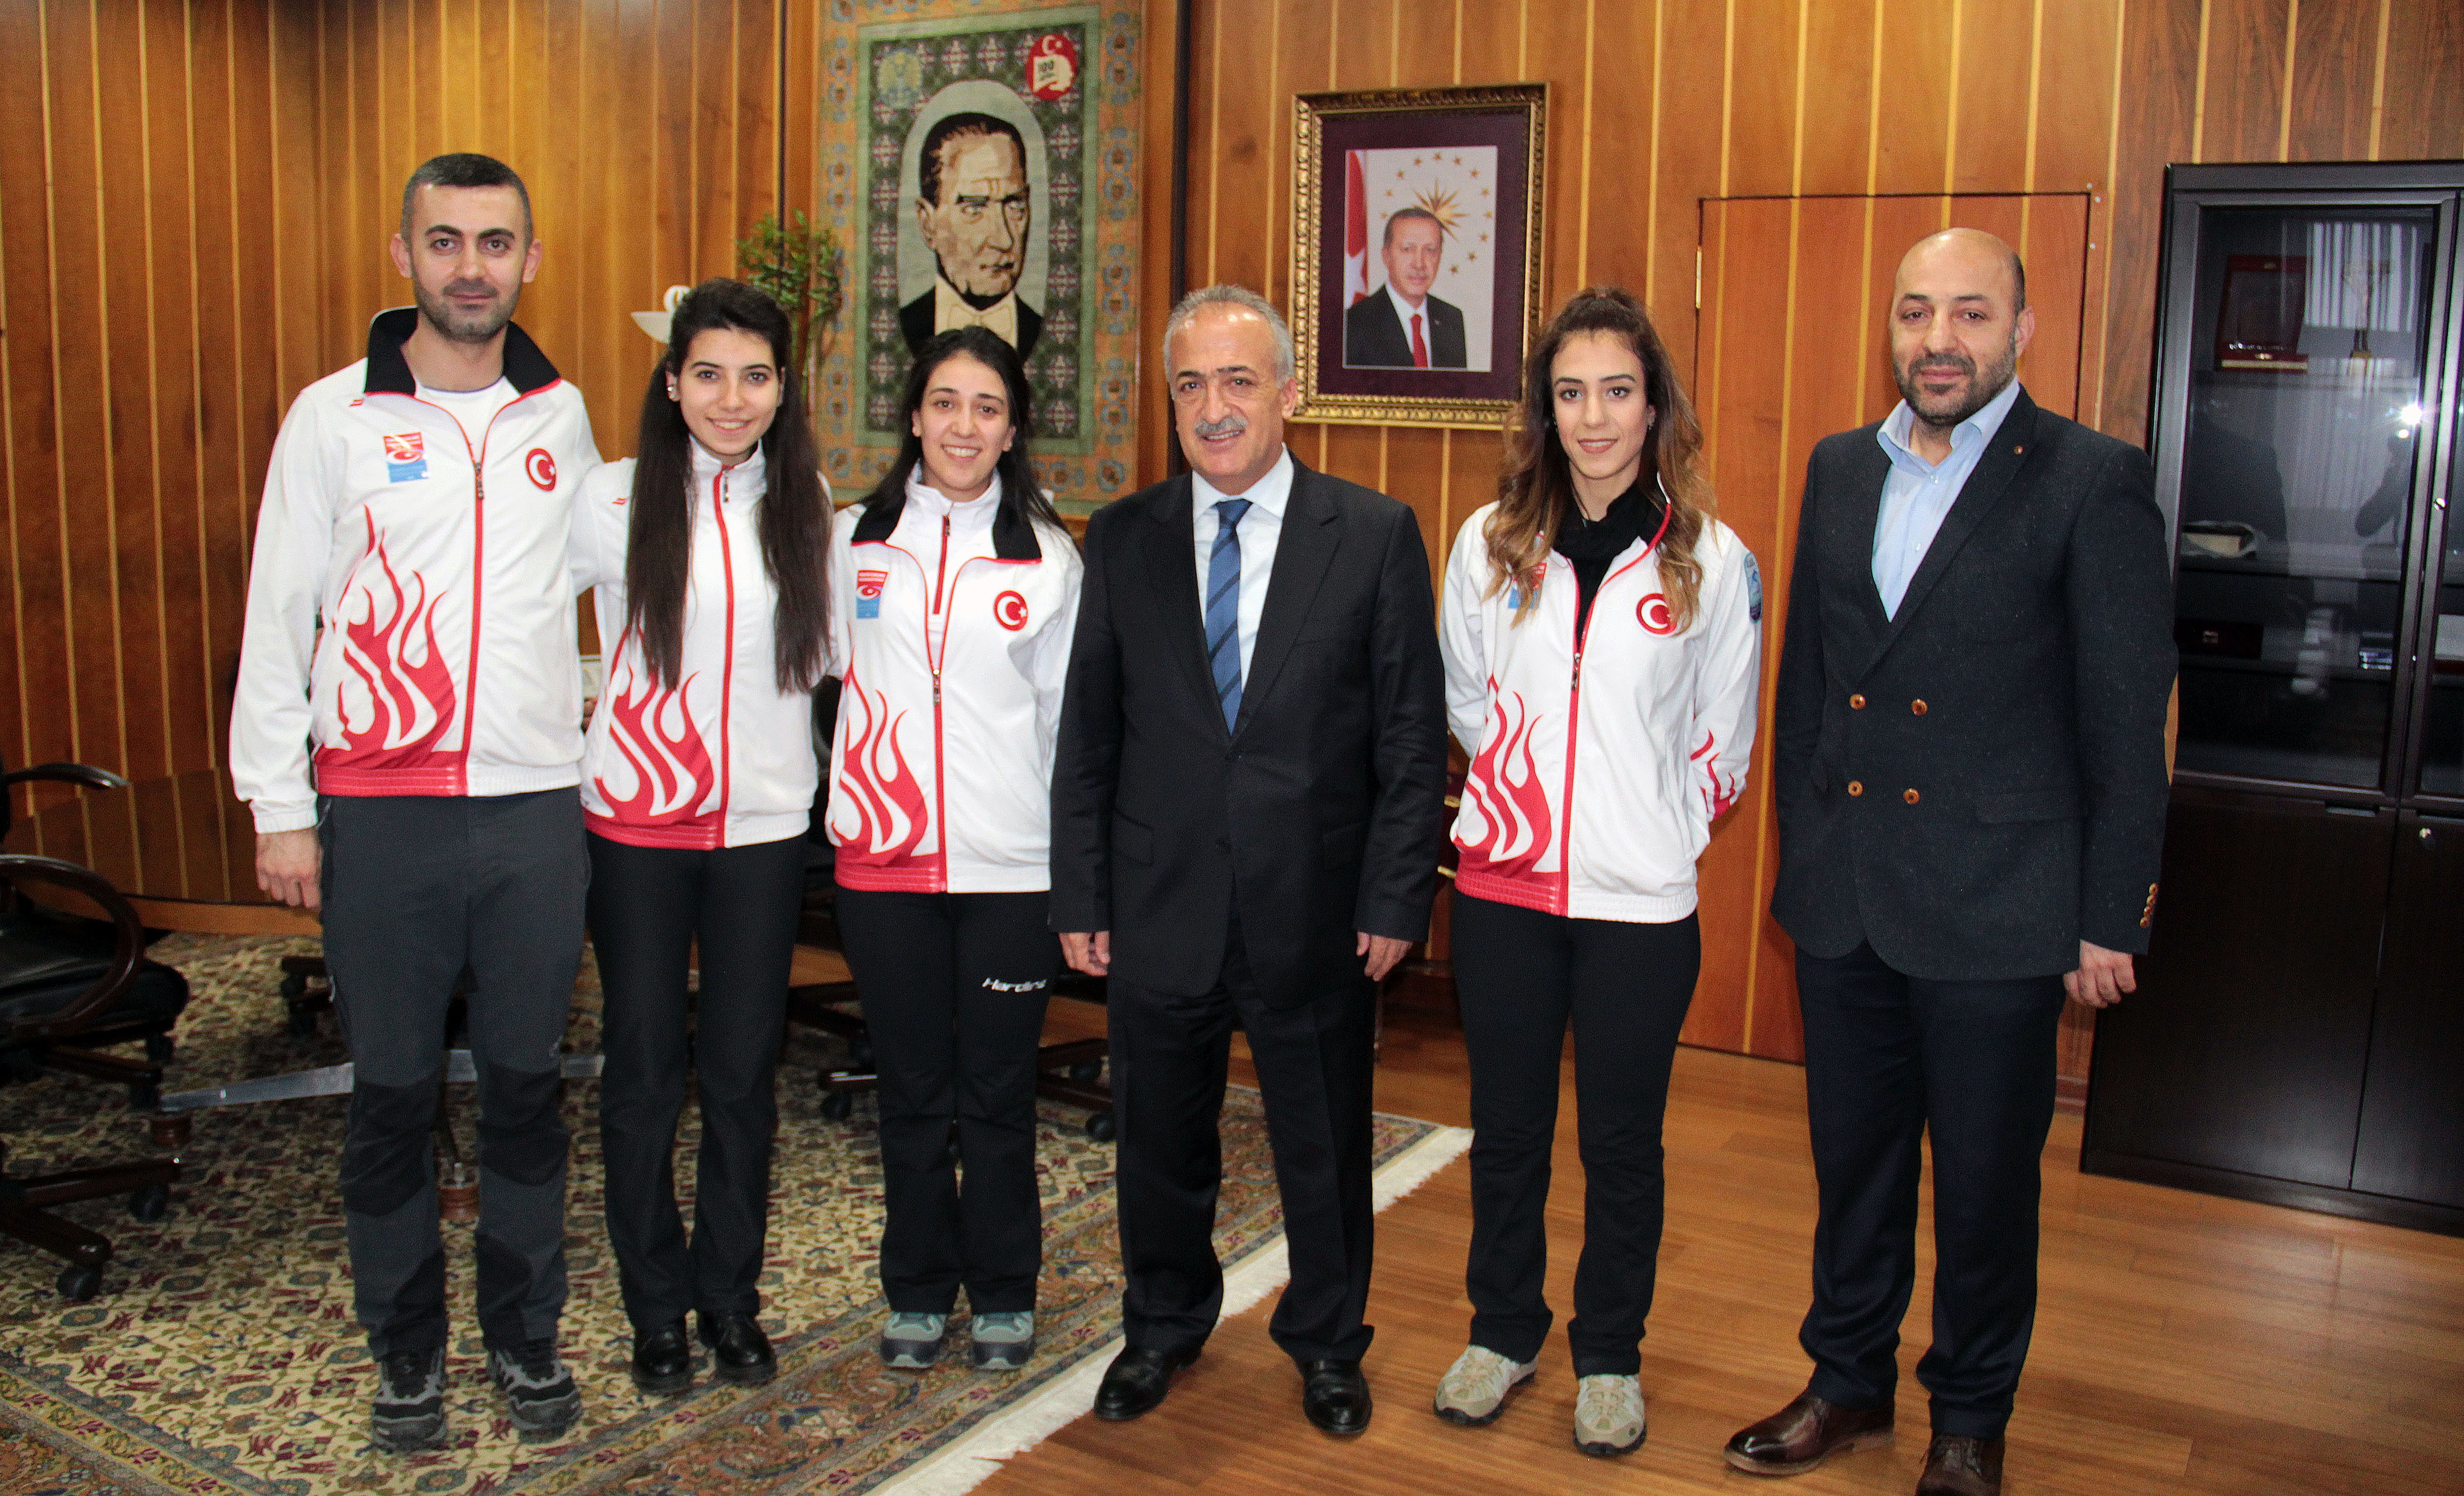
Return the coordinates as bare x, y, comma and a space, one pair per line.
953, 597
1601, 633
710, 554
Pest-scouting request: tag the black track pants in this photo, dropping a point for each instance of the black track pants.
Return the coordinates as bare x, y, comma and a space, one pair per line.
954, 988
646, 905
417, 890
1521, 977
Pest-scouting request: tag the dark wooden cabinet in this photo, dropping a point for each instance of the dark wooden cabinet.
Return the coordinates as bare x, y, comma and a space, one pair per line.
2298, 1031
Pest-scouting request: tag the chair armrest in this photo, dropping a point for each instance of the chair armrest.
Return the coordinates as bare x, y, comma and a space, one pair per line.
85, 774
127, 947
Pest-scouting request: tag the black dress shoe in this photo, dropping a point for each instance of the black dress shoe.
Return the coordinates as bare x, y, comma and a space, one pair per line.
1136, 1381
663, 1360
1335, 1396
740, 1352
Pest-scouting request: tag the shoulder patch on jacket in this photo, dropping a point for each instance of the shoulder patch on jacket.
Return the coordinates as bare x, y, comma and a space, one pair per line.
1753, 587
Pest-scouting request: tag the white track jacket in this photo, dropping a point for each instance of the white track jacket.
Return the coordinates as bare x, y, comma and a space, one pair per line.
952, 625
725, 758
1598, 761
434, 560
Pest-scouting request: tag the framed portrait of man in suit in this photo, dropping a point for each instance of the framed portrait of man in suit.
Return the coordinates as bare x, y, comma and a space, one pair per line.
985, 194
1415, 283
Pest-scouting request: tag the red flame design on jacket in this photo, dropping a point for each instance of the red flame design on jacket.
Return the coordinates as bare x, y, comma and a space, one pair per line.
875, 784
410, 702
1504, 786
1719, 790
672, 772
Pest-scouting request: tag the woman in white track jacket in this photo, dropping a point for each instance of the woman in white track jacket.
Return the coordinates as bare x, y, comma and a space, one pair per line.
710, 554
953, 597
1602, 644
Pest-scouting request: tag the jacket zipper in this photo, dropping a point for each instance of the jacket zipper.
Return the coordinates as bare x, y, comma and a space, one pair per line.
727, 666
1574, 702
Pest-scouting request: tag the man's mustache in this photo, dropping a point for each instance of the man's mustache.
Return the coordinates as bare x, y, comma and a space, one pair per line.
1229, 425
1957, 362
469, 288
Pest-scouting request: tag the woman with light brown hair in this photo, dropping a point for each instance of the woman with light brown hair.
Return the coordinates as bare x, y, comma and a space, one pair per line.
1602, 644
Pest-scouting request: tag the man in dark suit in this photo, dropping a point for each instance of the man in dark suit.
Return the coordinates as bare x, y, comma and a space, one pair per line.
1248, 807
1969, 769
1400, 325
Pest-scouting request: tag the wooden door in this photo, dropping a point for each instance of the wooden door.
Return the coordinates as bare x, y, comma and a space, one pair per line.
1789, 348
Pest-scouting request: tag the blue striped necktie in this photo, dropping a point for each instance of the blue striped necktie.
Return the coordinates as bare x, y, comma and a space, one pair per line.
1223, 608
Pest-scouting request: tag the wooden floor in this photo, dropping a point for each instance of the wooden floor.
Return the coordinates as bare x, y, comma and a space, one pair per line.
2183, 1343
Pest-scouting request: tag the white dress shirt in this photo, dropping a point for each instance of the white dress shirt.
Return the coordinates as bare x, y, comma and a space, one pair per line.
1405, 312
1260, 527
952, 310
1917, 493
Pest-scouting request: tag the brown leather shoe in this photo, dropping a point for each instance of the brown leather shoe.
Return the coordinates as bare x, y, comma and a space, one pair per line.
1805, 1433
1956, 1466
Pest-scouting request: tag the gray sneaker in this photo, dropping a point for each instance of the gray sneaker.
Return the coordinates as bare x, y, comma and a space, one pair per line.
913, 1342
1474, 1390
1002, 1342
539, 1391
1608, 1415
408, 1413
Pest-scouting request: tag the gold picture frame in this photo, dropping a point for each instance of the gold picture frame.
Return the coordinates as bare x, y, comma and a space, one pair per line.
1436, 191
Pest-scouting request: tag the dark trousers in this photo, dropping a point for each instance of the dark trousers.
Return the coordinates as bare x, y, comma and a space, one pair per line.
955, 986
1521, 977
1888, 1059
647, 906
1315, 1073
418, 891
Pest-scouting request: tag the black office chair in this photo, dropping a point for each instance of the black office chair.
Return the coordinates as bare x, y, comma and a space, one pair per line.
67, 985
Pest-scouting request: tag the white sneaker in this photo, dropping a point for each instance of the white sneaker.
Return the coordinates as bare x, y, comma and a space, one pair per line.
1608, 1415
1474, 1390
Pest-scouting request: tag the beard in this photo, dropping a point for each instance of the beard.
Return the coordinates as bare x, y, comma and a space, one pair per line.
1948, 411
459, 326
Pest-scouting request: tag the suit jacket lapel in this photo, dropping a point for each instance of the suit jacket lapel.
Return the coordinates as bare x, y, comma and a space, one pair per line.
1302, 554
1171, 551
1860, 513
1984, 489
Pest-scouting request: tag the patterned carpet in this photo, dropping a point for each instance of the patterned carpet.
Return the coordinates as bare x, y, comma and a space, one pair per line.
222, 1356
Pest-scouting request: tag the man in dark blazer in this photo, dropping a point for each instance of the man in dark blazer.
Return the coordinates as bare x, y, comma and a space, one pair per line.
1969, 769
1379, 329
1247, 807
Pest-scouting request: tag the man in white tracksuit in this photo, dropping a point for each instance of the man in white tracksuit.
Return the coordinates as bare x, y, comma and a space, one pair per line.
407, 734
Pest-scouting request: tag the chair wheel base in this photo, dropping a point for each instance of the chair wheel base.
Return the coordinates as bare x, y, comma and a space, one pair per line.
838, 1105
78, 1283
150, 1203
1101, 1128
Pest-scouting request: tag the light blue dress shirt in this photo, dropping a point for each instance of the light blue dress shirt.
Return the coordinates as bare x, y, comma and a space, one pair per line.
1261, 529
1917, 494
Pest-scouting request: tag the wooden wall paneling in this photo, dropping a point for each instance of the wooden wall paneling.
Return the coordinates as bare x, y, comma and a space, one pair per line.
1158, 68
1839, 97
2419, 106
2160, 41
1302, 63
234, 330
39, 725
1206, 80
1553, 40
1356, 452
1416, 473
182, 608
2242, 113
1248, 131
1687, 114
1764, 99
1616, 246
2328, 108
84, 331
1360, 43
1912, 138
1486, 36
1996, 106
1424, 43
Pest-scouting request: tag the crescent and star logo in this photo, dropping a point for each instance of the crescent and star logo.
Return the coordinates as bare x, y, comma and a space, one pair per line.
1009, 610
542, 468
1652, 612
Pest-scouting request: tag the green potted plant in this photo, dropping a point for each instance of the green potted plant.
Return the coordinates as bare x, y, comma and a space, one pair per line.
804, 267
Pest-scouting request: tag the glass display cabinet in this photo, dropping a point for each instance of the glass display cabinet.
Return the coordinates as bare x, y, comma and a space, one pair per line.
2298, 1032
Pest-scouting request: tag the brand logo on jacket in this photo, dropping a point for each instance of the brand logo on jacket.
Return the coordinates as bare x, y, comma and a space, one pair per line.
1009, 610
406, 457
867, 593
1753, 587
1653, 613
542, 468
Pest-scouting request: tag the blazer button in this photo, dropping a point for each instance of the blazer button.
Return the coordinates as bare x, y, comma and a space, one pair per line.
1856, 703
1856, 787
1910, 796
1916, 707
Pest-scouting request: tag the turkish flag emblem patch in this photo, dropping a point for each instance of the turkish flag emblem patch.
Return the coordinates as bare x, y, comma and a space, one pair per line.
542, 468
1653, 613
1009, 610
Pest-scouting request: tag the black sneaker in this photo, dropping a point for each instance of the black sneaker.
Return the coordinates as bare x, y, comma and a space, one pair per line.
408, 1413
539, 1391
